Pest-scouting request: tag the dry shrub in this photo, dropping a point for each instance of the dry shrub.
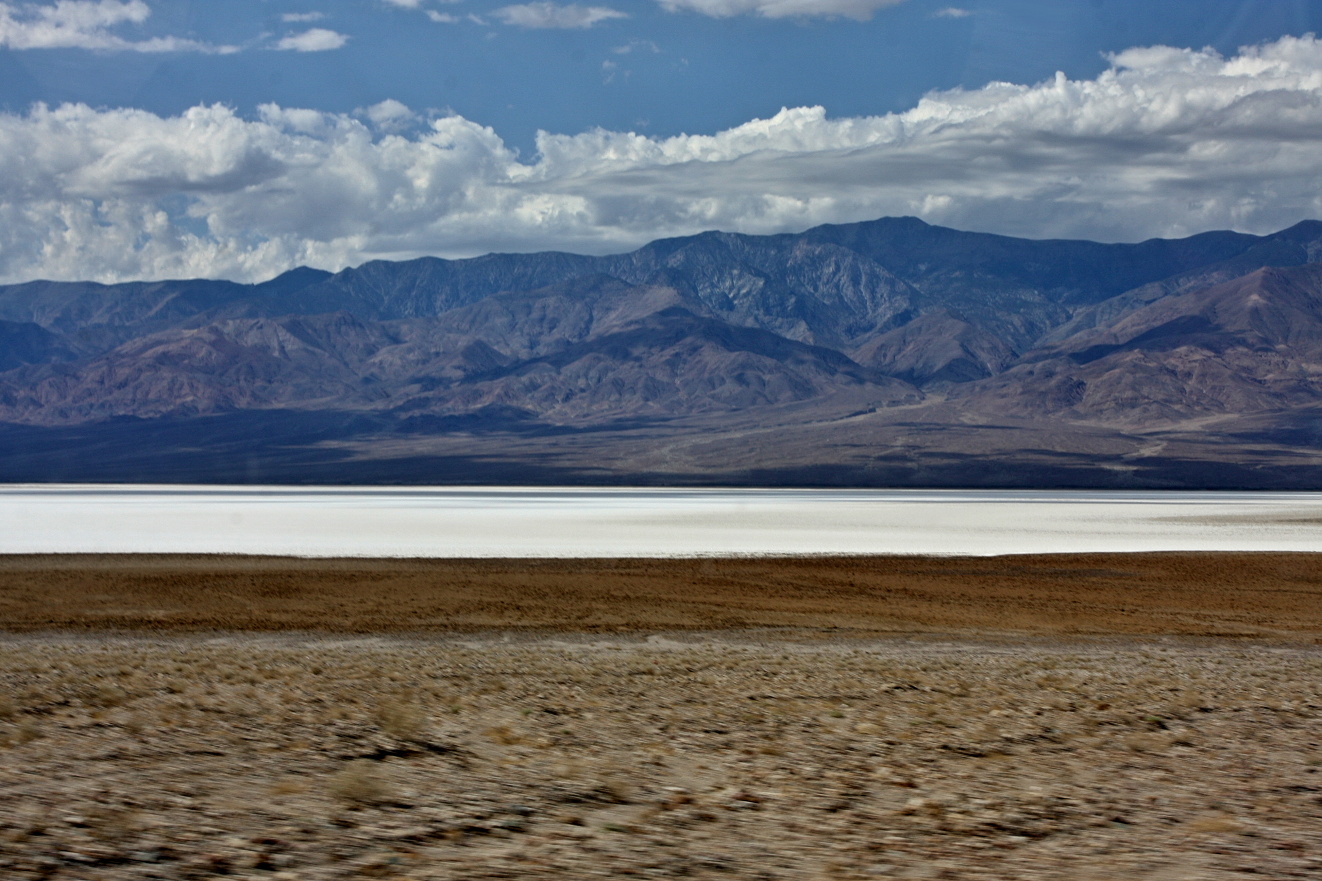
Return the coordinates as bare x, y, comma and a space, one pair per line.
504, 735
28, 731
1148, 742
611, 789
112, 823
106, 695
569, 769
402, 718
360, 783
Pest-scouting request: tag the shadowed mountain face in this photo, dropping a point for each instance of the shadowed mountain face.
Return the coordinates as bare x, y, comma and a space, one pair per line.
883, 352
1247, 345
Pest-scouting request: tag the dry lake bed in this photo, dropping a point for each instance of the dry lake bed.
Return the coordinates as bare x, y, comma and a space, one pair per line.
559, 523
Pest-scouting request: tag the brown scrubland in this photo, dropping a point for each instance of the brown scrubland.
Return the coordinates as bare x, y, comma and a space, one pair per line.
1063, 717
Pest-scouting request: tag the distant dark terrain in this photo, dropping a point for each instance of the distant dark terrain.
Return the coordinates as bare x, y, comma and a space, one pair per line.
888, 353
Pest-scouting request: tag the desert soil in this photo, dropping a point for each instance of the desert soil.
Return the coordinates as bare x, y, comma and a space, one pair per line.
1069, 717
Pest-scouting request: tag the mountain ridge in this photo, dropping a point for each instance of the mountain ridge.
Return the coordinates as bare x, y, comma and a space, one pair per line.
707, 358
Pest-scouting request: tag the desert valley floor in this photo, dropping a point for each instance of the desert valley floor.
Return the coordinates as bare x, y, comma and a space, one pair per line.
1071, 717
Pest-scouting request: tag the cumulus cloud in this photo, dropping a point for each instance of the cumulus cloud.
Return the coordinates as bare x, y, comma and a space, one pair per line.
550, 15
1165, 142
856, 9
86, 24
302, 16
313, 40
389, 114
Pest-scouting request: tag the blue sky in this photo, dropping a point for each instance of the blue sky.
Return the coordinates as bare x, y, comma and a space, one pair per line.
655, 71
150, 138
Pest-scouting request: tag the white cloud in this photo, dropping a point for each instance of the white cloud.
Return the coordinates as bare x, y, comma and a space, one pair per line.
952, 12
431, 13
313, 40
1166, 142
389, 114
86, 24
550, 15
637, 46
856, 9
302, 16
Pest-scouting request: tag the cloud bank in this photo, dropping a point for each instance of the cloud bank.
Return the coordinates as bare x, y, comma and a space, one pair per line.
551, 15
1166, 142
87, 24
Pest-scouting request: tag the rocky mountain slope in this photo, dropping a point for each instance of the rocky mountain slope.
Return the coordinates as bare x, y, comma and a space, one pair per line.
881, 352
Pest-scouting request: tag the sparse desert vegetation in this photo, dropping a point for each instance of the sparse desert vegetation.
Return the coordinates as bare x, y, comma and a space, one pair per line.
699, 755
1086, 717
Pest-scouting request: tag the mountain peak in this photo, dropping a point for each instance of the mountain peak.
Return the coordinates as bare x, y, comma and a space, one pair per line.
1303, 231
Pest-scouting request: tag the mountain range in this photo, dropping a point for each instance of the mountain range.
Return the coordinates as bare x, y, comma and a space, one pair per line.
891, 353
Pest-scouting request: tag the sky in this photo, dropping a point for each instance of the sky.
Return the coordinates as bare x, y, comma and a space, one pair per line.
144, 139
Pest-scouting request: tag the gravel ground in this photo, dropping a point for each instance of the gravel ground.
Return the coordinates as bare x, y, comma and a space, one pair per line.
753, 754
